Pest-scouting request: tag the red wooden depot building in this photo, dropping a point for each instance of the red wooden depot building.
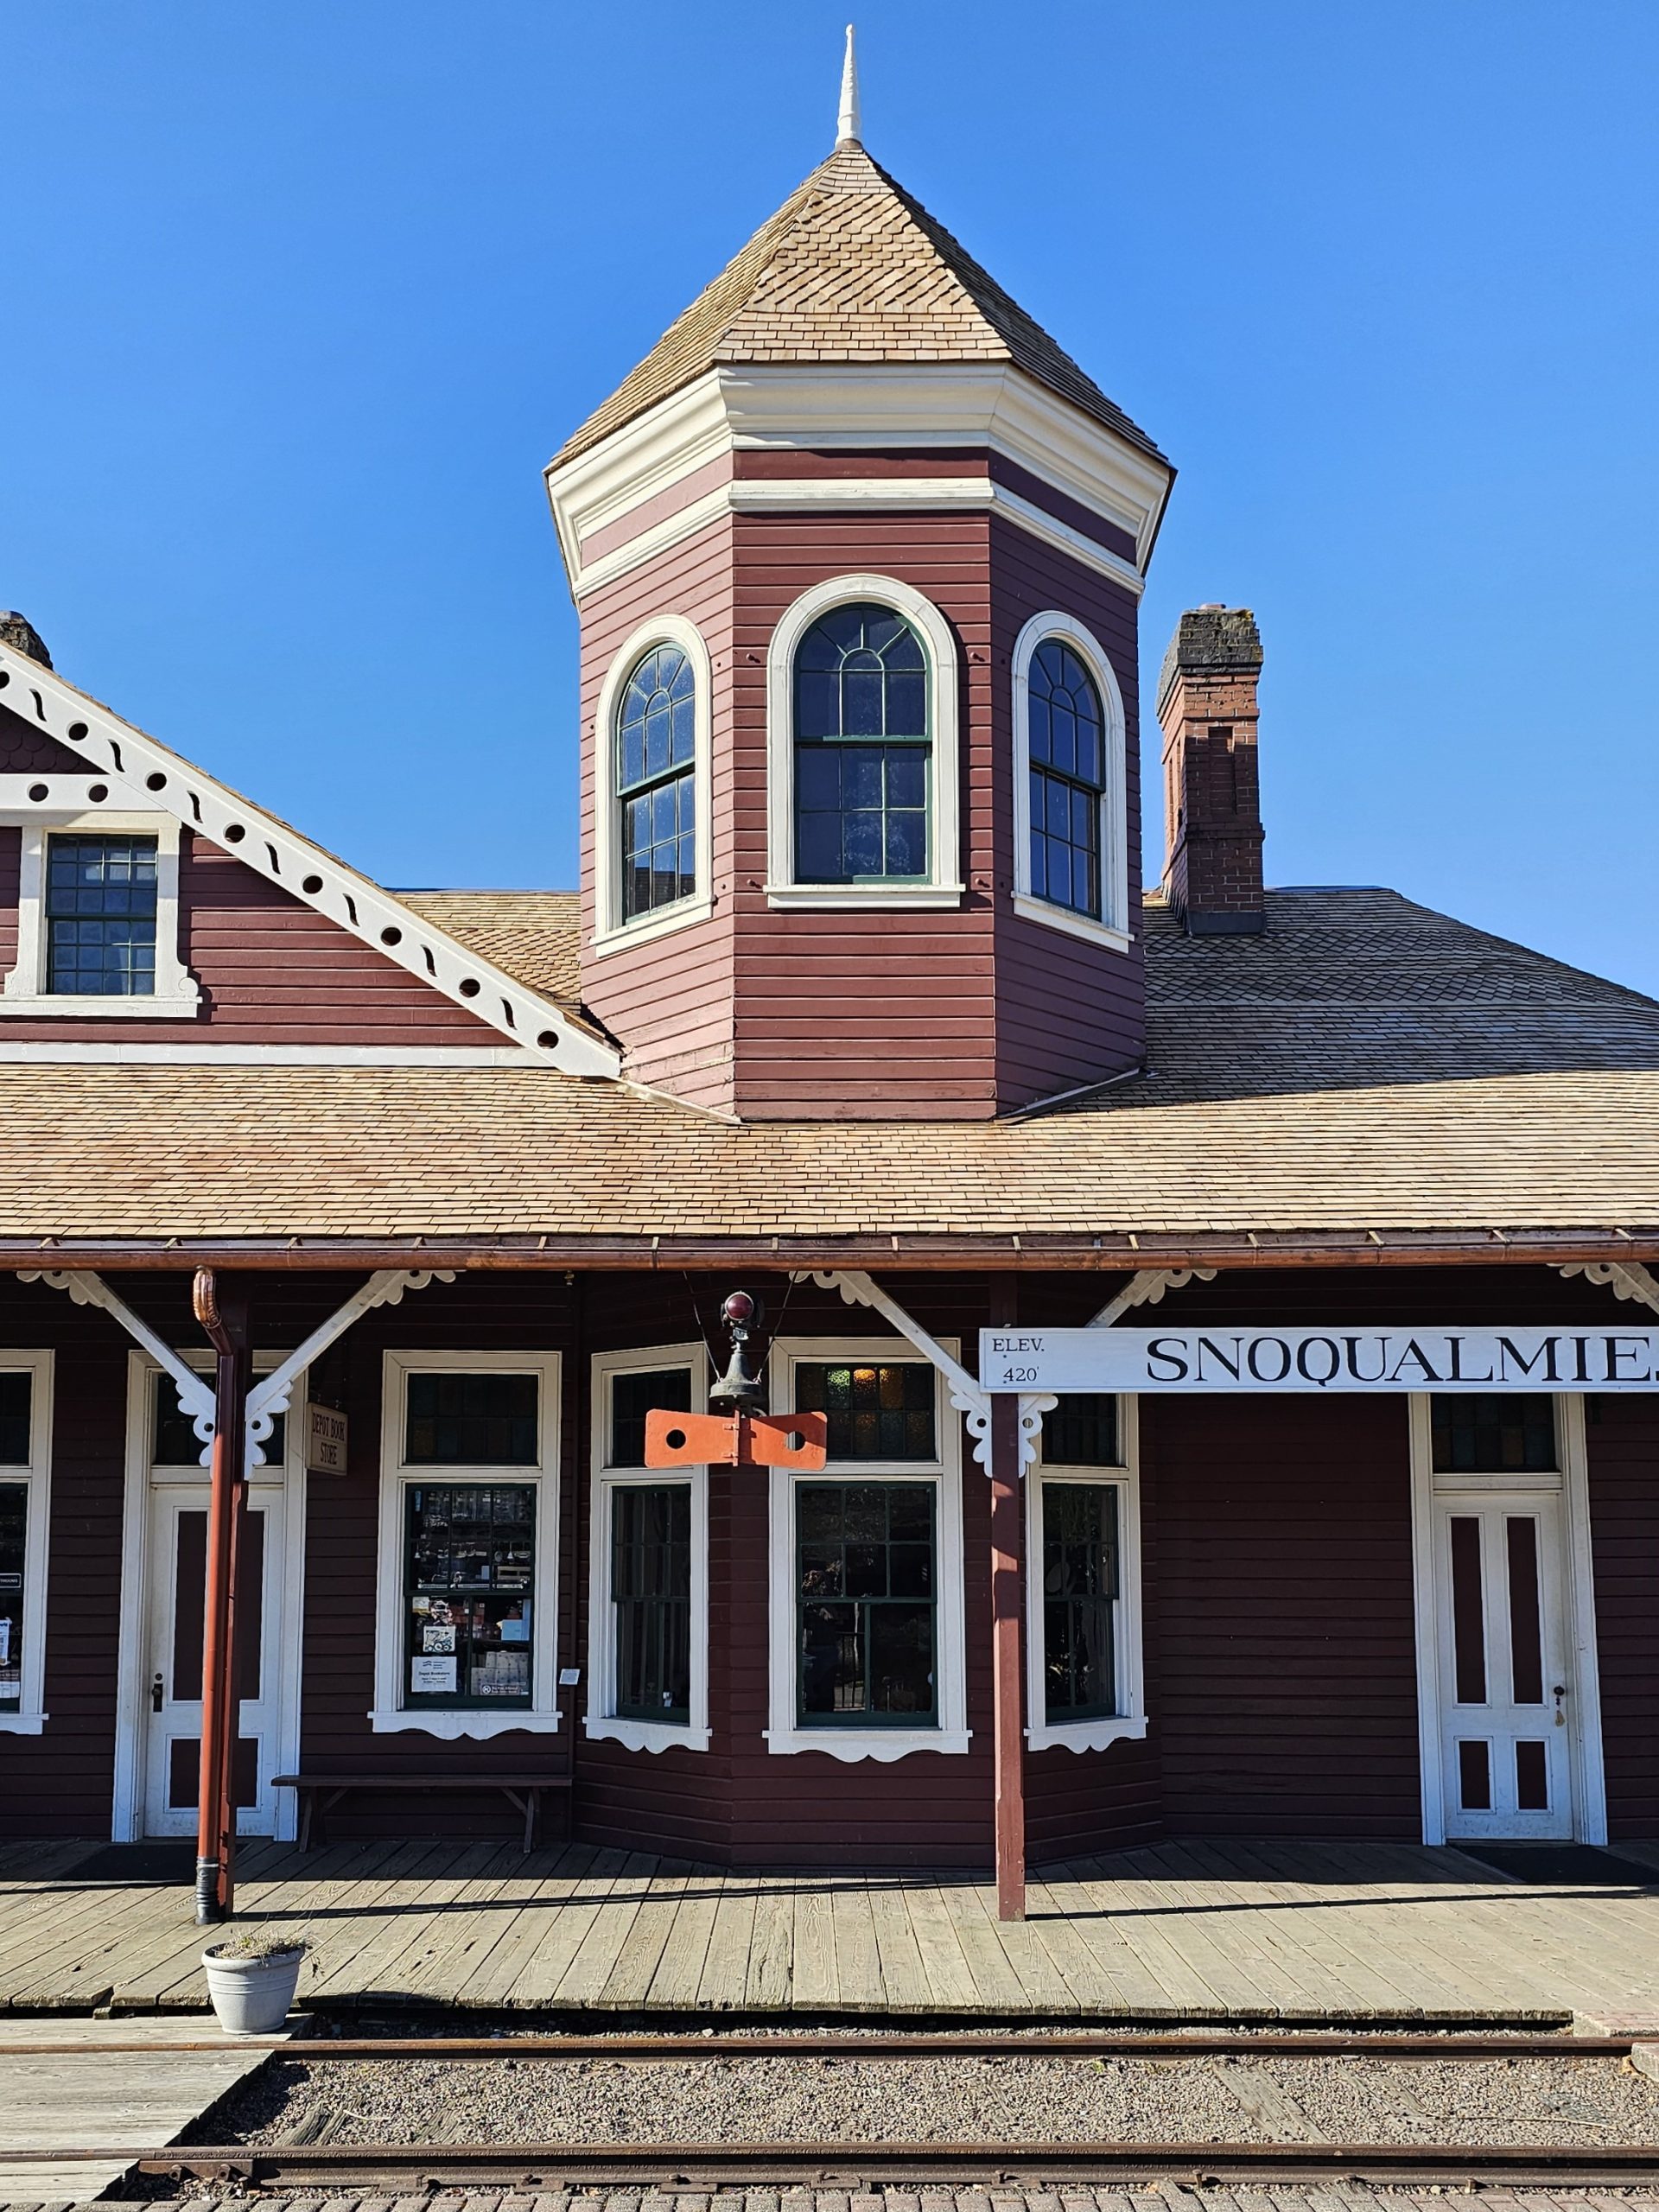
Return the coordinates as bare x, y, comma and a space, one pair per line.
1340, 1519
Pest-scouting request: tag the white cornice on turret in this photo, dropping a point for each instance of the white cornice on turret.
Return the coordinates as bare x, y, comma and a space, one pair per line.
904, 407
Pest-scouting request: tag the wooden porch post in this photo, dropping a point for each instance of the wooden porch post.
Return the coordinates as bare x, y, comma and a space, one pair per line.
224, 1318
1007, 1607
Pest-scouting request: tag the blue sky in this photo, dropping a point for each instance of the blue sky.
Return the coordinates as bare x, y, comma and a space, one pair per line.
302, 296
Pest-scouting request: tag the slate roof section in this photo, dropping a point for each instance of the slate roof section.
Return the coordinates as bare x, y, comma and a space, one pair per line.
1366, 1065
850, 269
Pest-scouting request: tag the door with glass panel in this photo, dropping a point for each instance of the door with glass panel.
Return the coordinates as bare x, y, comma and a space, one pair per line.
177, 1582
178, 1579
1508, 1771
1501, 1613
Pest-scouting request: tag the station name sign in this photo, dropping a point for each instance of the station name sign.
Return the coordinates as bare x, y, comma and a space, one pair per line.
1421, 1358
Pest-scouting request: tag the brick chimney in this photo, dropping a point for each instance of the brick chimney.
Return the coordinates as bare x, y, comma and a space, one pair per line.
1212, 805
20, 633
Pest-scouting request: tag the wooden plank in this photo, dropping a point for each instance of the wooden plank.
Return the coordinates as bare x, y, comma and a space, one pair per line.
725, 1968
817, 1986
555, 1938
679, 1971
629, 1980
903, 1975
950, 1978
588, 1971
858, 1955
500, 1979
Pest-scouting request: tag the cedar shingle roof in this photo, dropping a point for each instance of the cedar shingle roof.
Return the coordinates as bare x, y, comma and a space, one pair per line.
532, 935
852, 270
1366, 1064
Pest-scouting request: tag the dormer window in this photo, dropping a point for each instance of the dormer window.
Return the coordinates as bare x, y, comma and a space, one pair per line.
1071, 837
100, 916
861, 722
863, 752
651, 861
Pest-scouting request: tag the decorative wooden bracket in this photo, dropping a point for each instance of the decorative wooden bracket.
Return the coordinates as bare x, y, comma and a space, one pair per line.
1625, 1278
797, 1440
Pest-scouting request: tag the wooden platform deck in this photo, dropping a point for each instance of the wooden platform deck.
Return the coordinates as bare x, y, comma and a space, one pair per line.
1192, 1931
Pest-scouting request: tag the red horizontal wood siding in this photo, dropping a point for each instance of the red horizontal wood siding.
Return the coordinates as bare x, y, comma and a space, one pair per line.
272, 971
1622, 1435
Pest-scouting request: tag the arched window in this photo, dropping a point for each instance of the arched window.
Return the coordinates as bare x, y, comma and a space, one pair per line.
863, 749
1066, 747
1071, 819
656, 781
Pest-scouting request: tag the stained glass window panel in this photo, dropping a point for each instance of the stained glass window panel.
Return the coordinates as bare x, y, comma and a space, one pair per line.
1510, 1433
873, 1411
15, 1399
633, 1396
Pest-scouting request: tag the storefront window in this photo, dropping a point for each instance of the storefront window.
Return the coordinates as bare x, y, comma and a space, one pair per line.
1080, 1588
651, 1594
866, 1598
469, 1575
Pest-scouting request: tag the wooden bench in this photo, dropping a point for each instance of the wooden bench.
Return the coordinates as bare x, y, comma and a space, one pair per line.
320, 1793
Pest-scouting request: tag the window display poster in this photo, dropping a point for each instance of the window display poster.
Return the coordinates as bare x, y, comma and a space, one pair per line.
429, 1676
515, 1626
437, 1638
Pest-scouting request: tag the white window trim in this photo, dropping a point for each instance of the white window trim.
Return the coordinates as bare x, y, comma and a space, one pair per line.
600, 1722
944, 887
1130, 1724
883, 1745
177, 995
541, 1716
31, 1715
611, 933
1112, 929
132, 1650
1584, 1704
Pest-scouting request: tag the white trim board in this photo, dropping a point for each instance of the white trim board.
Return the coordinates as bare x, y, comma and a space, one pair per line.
1586, 1759
611, 933
785, 1735
909, 406
127, 1053
154, 777
542, 1716
1111, 928
132, 1652
1129, 1723
600, 1722
35, 1475
176, 996
943, 884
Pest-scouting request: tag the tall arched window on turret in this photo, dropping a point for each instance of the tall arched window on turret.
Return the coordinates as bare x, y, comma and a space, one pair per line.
863, 747
862, 676
1071, 855
651, 861
657, 781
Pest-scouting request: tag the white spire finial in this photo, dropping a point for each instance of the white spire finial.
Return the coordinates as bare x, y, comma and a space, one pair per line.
847, 124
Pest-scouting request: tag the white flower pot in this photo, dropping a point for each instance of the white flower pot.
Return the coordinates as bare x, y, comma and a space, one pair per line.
252, 1996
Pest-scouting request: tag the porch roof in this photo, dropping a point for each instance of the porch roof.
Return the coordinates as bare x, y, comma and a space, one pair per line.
1367, 1079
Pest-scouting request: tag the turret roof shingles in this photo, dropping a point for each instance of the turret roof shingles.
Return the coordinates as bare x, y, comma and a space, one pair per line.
851, 269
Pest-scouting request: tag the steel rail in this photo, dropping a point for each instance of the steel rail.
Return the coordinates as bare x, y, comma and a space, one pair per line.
854, 2165
690, 2045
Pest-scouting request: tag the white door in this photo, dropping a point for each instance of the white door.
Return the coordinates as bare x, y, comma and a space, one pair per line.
178, 1557
1505, 1692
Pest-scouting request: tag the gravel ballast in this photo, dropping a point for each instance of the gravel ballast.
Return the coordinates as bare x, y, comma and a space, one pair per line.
601, 2100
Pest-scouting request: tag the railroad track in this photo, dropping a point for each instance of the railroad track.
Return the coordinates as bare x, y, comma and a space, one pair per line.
404, 2169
